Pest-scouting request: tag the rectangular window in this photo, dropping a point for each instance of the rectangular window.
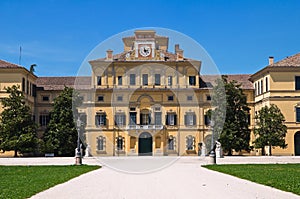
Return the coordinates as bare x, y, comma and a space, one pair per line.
33, 90
189, 98
206, 120
145, 79
120, 81
190, 142
100, 98
297, 114
132, 118
297, 82
145, 118
81, 98
267, 85
157, 109
45, 98
262, 86
100, 119
190, 119
120, 144
27, 87
83, 118
120, 119
170, 98
259, 91
23, 84
157, 79
44, 120
99, 80
170, 80
171, 143
255, 88
157, 116
119, 98
192, 80
171, 119
132, 79
208, 98
30, 88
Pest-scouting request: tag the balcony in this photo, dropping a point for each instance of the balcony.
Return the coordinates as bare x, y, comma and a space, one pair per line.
146, 127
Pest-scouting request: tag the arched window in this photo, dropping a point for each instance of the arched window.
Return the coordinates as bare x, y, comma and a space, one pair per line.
120, 141
171, 142
297, 143
101, 143
190, 142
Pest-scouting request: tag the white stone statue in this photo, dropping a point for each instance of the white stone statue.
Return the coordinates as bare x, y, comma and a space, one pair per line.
203, 150
219, 153
87, 151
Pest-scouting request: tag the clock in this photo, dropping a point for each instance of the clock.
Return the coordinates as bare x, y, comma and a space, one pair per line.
145, 50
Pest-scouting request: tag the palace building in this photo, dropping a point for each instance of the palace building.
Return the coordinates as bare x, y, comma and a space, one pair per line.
150, 101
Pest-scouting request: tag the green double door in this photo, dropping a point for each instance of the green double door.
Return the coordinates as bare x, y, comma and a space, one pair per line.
145, 144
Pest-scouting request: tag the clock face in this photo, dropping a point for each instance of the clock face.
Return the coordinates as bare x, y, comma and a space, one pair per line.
145, 51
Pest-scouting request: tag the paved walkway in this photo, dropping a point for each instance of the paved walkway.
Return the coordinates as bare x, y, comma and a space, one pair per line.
184, 178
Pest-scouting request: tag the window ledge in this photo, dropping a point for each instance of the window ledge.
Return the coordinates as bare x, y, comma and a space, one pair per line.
191, 151
101, 152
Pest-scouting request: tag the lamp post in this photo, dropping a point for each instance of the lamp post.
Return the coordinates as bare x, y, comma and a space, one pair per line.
78, 157
212, 154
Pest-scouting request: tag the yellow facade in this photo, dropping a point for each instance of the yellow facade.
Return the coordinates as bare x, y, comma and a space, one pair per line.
12, 74
276, 84
148, 101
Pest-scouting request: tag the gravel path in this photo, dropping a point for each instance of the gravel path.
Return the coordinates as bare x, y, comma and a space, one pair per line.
184, 178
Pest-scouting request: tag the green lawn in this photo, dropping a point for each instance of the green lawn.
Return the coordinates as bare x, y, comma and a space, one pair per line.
25, 181
281, 176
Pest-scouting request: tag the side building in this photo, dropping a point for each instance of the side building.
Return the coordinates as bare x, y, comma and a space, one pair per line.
279, 83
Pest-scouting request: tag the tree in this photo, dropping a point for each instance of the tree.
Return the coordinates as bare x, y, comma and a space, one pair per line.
270, 130
61, 134
17, 128
230, 117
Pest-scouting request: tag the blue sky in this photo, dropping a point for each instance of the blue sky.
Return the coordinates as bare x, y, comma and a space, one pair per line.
57, 35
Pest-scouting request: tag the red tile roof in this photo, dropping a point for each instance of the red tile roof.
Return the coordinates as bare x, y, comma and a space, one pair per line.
289, 63
292, 61
242, 79
5, 64
59, 83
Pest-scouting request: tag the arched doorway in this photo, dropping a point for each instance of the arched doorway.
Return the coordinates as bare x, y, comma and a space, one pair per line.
145, 144
297, 143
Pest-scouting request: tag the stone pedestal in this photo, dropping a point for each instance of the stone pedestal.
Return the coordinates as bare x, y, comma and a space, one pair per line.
212, 158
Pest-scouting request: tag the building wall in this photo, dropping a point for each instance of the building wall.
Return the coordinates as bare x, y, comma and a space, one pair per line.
282, 93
